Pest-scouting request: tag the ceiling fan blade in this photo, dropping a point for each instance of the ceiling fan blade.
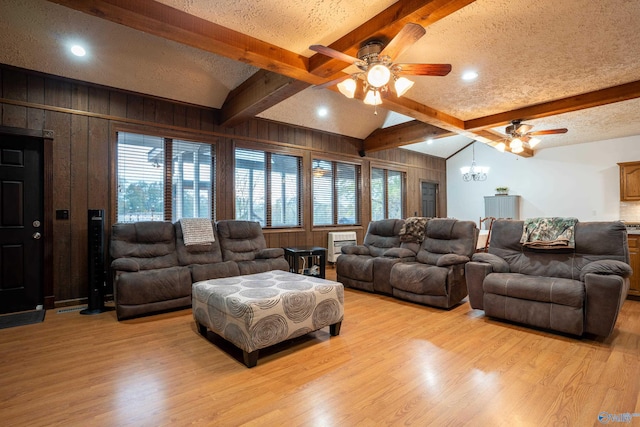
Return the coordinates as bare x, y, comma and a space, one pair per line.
408, 35
522, 129
332, 82
334, 53
425, 69
548, 132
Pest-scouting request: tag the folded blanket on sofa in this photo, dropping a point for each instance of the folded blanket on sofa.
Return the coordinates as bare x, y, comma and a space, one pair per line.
197, 231
413, 229
549, 233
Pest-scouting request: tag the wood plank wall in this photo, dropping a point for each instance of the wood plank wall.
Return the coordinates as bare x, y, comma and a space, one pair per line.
85, 119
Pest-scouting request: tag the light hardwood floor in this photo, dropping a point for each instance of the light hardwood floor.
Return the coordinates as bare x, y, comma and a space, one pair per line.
394, 363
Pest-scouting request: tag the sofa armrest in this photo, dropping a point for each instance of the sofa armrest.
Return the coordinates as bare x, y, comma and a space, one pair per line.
269, 253
400, 253
475, 272
606, 267
605, 295
355, 250
125, 264
451, 259
498, 265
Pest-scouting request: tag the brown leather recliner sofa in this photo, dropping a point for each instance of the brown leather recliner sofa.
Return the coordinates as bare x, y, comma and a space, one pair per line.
572, 290
153, 269
429, 271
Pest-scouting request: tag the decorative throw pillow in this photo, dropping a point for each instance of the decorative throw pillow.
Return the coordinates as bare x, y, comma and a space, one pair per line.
413, 229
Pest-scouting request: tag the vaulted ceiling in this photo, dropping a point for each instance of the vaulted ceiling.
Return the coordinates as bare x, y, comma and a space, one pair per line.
570, 63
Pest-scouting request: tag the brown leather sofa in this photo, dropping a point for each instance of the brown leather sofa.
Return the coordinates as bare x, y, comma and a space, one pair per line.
571, 290
427, 271
153, 270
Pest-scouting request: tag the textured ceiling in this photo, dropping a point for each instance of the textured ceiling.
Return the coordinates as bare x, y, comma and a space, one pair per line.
526, 53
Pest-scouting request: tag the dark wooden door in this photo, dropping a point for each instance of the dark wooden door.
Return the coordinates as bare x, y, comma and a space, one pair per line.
21, 223
429, 197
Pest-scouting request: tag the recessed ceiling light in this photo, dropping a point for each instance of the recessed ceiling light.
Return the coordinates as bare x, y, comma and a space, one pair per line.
78, 50
430, 141
322, 111
469, 75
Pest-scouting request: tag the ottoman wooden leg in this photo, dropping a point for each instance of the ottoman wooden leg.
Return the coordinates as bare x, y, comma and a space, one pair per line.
202, 329
334, 329
250, 359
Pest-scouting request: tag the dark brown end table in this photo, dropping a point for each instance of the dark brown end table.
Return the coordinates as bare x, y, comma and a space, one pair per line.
307, 260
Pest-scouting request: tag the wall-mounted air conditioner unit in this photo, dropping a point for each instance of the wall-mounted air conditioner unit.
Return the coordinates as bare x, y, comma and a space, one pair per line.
338, 239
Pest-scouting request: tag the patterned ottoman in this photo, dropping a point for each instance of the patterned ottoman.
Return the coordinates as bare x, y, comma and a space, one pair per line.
258, 310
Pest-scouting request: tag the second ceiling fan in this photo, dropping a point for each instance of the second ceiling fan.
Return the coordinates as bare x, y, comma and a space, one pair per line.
520, 136
375, 60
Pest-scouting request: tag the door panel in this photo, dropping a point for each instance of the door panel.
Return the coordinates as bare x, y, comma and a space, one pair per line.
429, 196
21, 218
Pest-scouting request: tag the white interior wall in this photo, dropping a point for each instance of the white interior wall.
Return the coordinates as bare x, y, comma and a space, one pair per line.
580, 180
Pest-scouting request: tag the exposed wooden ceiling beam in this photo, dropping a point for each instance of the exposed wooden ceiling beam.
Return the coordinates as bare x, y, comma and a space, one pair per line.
402, 134
261, 91
384, 26
596, 98
164, 21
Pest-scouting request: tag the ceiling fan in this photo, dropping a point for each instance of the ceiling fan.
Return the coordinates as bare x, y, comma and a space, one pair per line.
520, 135
375, 60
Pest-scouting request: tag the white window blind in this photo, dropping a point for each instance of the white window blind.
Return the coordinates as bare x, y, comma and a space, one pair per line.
335, 193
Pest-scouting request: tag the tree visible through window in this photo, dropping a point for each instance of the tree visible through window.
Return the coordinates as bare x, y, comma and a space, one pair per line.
143, 168
267, 188
387, 194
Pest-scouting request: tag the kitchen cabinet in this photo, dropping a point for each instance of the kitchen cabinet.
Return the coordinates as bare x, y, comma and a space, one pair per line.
502, 206
629, 181
634, 260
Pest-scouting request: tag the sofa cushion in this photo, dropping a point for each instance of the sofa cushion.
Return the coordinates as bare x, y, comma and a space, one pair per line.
382, 235
536, 288
419, 278
357, 267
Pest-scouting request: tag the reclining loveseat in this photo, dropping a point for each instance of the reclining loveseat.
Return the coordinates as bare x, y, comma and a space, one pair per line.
424, 266
573, 290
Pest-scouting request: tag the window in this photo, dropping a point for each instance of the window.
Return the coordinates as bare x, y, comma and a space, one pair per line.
335, 193
267, 187
387, 194
142, 173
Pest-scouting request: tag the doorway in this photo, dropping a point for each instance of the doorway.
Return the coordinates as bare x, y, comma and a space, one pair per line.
22, 249
429, 192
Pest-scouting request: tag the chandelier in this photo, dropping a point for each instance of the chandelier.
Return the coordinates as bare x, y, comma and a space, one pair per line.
473, 172
377, 72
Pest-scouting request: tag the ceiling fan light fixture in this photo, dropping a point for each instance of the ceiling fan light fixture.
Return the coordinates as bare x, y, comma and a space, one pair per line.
517, 150
402, 85
533, 142
500, 146
516, 144
347, 87
378, 75
373, 98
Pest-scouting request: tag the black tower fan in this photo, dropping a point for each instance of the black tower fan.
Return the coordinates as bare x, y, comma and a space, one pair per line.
96, 263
